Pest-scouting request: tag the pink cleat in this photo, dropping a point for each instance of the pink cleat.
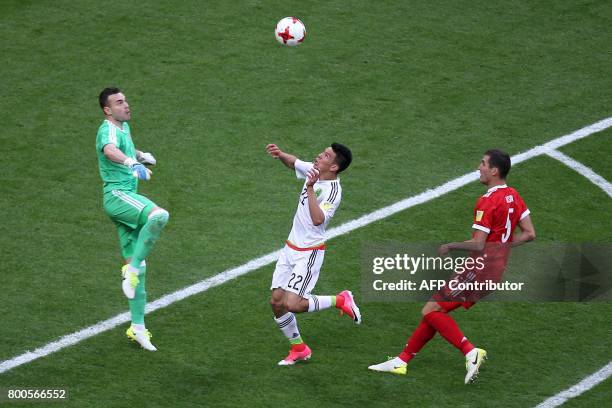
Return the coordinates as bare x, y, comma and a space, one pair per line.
349, 306
294, 356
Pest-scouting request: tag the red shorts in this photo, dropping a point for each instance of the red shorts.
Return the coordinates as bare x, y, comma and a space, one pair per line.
450, 299
450, 306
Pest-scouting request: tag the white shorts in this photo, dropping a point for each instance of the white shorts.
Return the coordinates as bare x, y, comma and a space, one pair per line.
298, 271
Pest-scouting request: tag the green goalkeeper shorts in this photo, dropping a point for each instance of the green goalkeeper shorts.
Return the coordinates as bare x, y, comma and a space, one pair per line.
129, 211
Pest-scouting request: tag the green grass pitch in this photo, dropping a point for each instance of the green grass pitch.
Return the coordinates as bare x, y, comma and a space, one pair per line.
418, 90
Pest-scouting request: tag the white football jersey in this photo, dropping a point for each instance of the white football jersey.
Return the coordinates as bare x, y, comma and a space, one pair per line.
304, 233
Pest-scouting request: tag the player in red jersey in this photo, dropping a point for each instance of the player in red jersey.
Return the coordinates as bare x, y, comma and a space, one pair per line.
496, 215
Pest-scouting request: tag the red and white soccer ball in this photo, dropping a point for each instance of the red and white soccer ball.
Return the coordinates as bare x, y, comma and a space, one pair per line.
290, 31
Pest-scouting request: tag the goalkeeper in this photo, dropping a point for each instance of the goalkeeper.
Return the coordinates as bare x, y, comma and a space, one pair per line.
139, 221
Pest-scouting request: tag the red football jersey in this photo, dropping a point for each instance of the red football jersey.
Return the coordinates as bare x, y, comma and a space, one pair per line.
498, 212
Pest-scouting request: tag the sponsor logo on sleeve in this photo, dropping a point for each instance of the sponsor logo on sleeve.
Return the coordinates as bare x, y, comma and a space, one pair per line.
479, 215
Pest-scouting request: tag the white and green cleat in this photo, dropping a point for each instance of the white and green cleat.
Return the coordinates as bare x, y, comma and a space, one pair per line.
393, 366
473, 360
142, 337
129, 283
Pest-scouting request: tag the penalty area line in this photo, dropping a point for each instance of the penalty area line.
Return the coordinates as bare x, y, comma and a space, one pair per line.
575, 390
254, 264
583, 170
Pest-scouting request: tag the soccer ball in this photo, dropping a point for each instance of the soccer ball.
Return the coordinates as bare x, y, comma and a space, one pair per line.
290, 31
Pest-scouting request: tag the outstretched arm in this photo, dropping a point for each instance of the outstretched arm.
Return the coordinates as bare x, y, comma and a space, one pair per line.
287, 159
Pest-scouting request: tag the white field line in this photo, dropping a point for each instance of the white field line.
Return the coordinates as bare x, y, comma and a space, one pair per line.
230, 274
575, 390
583, 170
465, 179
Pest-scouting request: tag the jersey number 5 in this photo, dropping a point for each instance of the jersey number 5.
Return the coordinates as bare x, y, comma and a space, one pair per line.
508, 232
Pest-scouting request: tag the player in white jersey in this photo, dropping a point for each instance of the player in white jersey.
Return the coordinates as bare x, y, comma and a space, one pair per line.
299, 263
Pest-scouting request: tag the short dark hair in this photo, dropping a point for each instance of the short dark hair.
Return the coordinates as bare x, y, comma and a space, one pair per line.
106, 92
500, 160
344, 157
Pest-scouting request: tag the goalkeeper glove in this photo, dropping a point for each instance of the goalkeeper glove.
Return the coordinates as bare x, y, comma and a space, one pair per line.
138, 170
145, 158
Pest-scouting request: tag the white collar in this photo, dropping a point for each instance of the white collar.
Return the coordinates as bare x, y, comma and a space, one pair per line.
329, 180
112, 124
494, 188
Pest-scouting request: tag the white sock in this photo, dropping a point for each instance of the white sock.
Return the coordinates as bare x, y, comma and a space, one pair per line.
472, 354
288, 325
316, 303
138, 327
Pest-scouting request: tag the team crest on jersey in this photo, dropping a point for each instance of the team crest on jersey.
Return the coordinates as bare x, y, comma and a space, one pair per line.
479, 215
509, 199
318, 192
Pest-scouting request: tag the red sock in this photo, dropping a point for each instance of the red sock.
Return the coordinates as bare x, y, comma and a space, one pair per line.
298, 347
448, 329
339, 301
419, 337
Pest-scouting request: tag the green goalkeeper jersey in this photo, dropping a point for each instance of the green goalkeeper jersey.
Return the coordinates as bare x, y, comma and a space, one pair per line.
115, 175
